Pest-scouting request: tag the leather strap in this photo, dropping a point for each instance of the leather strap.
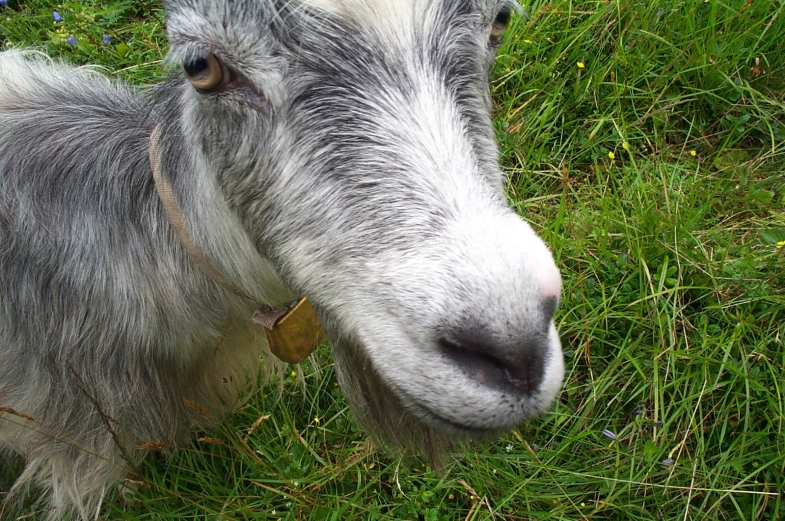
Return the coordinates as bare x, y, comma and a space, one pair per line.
293, 332
176, 218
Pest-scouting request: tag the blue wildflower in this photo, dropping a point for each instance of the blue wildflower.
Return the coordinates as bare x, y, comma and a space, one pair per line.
71, 41
667, 462
57, 16
608, 434
3, 3
106, 40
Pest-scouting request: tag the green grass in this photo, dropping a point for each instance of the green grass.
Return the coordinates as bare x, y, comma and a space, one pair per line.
646, 143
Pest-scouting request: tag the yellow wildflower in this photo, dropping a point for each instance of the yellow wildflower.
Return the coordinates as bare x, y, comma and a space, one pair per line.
780, 245
581, 65
611, 155
693, 153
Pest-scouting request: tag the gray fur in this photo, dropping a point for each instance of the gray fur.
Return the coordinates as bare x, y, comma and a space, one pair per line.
353, 162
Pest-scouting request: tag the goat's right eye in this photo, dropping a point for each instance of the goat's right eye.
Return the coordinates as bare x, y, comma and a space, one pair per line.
206, 73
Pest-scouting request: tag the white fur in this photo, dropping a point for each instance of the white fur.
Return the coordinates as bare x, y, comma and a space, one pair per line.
394, 21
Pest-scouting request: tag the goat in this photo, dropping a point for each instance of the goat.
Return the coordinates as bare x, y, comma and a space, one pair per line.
339, 149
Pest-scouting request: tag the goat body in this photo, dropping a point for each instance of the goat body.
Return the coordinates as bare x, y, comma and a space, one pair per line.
336, 148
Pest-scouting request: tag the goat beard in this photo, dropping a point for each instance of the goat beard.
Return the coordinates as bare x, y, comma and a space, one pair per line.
380, 412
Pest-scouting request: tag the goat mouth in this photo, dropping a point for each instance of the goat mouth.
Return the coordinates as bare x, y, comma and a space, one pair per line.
445, 424
454, 389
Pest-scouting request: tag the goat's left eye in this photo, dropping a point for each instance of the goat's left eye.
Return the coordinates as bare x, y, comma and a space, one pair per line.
501, 22
207, 73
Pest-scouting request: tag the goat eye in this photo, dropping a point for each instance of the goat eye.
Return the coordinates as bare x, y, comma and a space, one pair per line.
206, 73
501, 22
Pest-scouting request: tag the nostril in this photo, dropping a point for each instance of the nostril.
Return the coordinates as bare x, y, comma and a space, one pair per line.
549, 305
478, 361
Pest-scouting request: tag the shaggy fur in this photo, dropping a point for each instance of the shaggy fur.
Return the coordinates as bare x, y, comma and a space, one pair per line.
350, 157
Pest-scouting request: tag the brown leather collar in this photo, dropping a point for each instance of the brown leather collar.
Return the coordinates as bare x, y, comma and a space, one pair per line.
293, 332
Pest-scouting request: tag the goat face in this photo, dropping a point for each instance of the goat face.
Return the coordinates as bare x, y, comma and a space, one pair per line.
353, 139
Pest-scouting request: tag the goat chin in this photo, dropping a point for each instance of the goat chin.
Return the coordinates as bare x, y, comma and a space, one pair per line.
339, 149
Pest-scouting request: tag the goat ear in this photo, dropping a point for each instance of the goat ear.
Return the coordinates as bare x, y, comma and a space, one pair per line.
170, 4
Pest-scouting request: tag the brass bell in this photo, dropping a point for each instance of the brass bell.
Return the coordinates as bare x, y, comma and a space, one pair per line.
293, 334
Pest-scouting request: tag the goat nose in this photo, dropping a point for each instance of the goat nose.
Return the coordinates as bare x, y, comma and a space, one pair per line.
510, 365
550, 281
